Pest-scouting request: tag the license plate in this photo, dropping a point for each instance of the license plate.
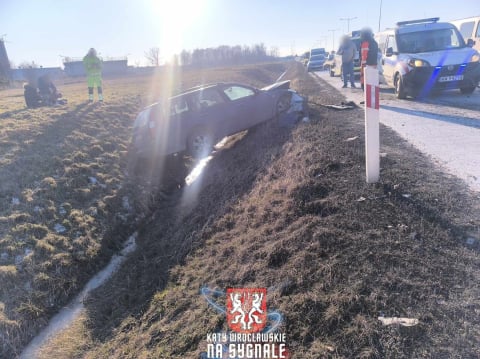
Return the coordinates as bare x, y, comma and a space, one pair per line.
450, 78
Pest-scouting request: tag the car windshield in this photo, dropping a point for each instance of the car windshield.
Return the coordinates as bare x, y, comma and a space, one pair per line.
432, 40
317, 58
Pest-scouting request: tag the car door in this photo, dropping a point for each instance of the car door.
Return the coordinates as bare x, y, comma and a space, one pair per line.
209, 110
389, 59
248, 107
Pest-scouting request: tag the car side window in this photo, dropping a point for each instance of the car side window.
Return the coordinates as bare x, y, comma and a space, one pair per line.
238, 92
209, 97
478, 29
206, 98
466, 29
178, 106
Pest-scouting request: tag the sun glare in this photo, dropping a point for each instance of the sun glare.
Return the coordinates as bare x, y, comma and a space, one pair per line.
176, 19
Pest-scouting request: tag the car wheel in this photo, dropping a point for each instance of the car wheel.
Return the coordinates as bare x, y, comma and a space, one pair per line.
283, 104
467, 90
200, 143
400, 88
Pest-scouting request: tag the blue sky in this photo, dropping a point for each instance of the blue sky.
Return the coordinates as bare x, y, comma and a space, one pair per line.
43, 30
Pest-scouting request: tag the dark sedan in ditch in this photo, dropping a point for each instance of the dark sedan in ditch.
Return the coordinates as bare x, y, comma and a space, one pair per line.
198, 118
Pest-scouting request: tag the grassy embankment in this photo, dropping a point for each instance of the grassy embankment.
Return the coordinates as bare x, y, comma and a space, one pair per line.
64, 205
290, 210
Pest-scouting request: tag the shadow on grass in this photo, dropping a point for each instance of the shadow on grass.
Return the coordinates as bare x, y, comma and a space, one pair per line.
178, 226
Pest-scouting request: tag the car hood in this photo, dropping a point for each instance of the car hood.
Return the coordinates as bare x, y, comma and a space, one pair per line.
447, 57
283, 85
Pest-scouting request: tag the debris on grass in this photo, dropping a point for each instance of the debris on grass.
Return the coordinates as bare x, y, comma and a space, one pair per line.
126, 203
351, 139
405, 322
471, 241
59, 228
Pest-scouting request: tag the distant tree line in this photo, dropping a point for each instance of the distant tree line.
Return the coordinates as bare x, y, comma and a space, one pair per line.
215, 56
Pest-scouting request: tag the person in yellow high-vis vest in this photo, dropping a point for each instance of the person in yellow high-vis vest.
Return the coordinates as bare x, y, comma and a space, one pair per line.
93, 69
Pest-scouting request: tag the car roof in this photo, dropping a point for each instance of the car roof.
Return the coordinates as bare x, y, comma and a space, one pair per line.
424, 27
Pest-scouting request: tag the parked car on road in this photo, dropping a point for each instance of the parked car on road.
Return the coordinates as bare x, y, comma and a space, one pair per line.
315, 63
425, 55
318, 51
197, 119
470, 30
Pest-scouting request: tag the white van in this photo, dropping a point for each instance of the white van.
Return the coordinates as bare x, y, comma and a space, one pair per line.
470, 29
422, 56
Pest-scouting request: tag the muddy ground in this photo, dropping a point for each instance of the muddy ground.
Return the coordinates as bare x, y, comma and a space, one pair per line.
289, 209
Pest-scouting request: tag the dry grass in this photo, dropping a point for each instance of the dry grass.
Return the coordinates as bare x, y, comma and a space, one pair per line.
280, 210
62, 191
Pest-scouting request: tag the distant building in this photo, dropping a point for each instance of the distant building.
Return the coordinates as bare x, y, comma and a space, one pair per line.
112, 66
32, 74
4, 63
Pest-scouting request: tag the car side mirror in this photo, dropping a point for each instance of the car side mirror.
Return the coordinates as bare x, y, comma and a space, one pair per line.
471, 43
389, 52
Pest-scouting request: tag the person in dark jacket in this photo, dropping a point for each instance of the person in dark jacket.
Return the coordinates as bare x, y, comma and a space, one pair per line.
368, 52
47, 90
32, 98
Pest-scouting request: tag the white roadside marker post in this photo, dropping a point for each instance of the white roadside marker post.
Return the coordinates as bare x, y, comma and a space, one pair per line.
372, 126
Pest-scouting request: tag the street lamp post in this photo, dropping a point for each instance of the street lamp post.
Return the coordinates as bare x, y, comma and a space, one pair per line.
348, 19
333, 37
380, 15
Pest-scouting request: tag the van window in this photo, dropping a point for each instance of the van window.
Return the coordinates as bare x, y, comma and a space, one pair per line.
466, 29
478, 30
431, 40
392, 43
382, 43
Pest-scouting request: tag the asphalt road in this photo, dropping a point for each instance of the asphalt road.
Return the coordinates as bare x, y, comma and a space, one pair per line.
445, 127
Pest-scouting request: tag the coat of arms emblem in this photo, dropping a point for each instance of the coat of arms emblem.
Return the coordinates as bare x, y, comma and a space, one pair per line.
246, 309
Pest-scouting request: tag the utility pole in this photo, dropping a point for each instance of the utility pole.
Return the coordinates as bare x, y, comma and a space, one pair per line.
320, 41
348, 19
380, 15
333, 31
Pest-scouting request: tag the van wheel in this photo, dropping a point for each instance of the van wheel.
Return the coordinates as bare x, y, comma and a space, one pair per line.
200, 143
467, 90
400, 87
